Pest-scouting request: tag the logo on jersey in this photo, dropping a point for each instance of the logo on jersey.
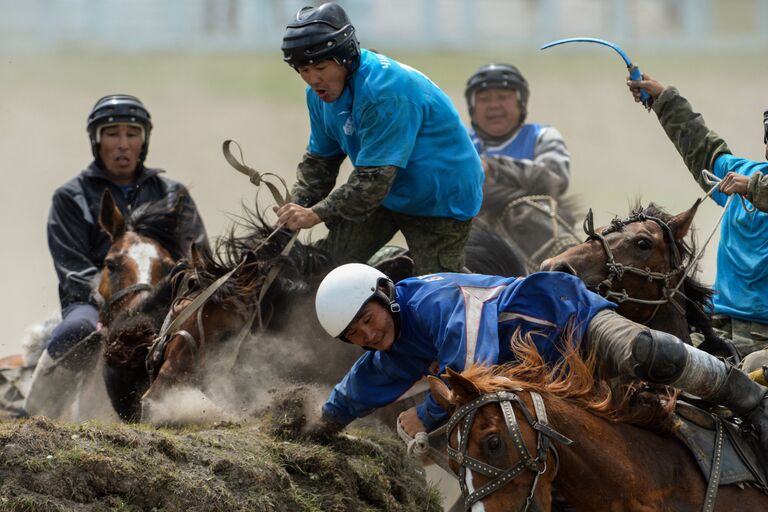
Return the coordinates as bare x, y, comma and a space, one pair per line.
349, 127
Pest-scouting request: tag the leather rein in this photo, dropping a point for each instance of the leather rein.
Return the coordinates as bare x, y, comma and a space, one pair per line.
171, 328
669, 280
465, 415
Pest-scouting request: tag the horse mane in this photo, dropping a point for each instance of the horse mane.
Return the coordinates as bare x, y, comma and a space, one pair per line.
572, 379
160, 221
251, 237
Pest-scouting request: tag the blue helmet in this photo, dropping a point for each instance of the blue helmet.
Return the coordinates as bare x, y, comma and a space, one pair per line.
114, 109
321, 33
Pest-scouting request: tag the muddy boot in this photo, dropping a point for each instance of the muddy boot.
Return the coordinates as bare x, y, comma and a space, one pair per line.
748, 400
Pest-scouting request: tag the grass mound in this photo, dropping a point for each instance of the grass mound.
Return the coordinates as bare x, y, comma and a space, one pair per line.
264, 464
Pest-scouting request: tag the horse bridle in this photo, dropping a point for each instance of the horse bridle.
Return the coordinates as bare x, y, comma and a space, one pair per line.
617, 270
545, 435
107, 304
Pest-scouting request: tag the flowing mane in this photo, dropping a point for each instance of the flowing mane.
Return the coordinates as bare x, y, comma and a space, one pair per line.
249, 237
572, 380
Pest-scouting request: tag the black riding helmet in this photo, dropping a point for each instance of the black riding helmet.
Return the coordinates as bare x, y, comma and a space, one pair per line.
118, 108
500, 76
321, 33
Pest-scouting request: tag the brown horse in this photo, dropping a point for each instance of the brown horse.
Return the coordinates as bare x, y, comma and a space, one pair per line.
644, 264
247, 329
136, 291
518, 431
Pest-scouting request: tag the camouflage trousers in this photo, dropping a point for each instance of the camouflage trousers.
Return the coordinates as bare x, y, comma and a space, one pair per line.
436, 244
746, 335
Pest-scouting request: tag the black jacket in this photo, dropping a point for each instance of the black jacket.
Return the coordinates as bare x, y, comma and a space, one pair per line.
77, 243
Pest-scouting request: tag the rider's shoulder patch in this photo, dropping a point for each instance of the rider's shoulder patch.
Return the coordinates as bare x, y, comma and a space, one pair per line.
431, 277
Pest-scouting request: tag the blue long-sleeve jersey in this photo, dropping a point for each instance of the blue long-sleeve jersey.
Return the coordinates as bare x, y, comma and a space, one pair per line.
455, 320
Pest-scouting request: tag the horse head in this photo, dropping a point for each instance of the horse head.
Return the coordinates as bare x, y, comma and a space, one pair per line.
135, 262
638, 262
519, 431
135, 286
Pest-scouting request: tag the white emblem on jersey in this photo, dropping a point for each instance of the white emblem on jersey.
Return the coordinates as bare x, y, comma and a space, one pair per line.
349, 128
431, 277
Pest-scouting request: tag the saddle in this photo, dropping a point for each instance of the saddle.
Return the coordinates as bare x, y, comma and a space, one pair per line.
725, 453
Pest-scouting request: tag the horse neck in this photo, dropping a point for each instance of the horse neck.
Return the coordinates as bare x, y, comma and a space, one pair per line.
621, 461
669, 319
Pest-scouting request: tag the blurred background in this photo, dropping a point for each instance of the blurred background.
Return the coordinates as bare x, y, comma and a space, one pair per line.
209, 70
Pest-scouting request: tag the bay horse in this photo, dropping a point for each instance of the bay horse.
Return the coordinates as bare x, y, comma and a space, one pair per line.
247, 330
143, 248
135, 290
520, 430
643, 263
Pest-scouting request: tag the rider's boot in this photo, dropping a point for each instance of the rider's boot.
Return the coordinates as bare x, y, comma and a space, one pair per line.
628, 348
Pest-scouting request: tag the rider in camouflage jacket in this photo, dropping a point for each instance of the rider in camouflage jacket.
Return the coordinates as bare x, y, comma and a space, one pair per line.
741, 284
415, 170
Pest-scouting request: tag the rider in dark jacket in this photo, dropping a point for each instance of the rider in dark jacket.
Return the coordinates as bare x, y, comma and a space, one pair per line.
119, 127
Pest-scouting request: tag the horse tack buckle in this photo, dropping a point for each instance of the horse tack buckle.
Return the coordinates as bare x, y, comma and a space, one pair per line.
460, 459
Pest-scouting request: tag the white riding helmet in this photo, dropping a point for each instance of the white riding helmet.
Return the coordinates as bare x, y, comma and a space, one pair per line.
344, 292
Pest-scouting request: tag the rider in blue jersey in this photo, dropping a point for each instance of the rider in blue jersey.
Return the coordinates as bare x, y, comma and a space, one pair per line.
533, 156
415, 169
441, 321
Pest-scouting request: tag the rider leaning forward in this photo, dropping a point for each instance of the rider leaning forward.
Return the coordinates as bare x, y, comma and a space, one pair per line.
741, 301
415, 169
453, 320
118, 128
531, 156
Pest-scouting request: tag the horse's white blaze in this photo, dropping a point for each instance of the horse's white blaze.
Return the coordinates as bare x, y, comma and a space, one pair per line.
143, 254
478, 505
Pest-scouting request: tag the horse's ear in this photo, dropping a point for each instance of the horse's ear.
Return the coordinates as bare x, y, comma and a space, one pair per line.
463, 389
440, 392
110, 218
681, 223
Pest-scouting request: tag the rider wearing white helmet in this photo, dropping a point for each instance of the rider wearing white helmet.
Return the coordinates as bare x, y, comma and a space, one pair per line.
426, 324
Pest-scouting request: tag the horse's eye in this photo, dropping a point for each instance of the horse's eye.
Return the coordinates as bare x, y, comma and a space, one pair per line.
493, 444
644, 244
111, 265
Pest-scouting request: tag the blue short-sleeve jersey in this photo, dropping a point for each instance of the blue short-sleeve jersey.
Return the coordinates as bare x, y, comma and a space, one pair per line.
390, 114
741, 283
455, 320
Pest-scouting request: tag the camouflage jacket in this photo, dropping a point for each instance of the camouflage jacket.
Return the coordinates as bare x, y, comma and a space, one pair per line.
698, 145
757, 191
363, 192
